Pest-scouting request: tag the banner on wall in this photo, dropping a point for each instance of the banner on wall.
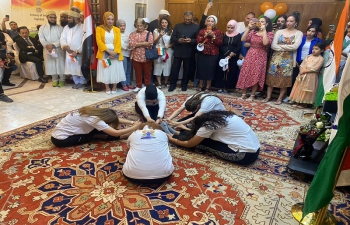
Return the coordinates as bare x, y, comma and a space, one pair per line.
31, 13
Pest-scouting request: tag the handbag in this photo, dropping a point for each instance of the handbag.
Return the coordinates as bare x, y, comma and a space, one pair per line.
151, 54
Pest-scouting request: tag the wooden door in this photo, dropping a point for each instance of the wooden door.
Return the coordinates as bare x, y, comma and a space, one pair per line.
229, 11
177, 9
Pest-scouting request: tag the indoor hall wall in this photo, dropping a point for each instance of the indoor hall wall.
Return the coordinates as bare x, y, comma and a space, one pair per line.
126, 10
5, 9
327, 10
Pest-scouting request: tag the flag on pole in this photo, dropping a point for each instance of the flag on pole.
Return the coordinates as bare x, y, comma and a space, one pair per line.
327, 79
320, 192
89, 42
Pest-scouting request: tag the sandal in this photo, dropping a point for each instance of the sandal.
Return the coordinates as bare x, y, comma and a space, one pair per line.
159, 87
206, 90
251, 98
243, 96
266, 100
278, 102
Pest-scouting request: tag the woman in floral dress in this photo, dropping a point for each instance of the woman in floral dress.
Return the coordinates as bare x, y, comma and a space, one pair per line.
254, 67
285, 45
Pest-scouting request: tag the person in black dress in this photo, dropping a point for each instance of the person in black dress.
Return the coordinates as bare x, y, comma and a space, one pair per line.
230, 49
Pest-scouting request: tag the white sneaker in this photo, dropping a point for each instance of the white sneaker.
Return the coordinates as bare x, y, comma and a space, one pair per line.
136, 89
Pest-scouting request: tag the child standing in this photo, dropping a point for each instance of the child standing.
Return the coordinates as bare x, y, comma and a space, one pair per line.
305, 87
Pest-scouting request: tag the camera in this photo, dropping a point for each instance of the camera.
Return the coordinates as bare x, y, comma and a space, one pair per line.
184, 36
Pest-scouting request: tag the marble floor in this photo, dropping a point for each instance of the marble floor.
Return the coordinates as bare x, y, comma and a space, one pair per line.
34, 101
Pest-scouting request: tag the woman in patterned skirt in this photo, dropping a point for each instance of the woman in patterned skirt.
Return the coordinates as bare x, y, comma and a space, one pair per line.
285, 45
259, 34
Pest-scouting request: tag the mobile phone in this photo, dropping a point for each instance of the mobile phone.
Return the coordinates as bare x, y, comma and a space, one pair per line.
7, 16
211, 1
166, 30
184, 36
332, 26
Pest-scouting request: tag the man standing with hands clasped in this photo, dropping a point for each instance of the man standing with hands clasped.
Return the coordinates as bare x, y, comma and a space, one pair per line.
49, 36
184, 39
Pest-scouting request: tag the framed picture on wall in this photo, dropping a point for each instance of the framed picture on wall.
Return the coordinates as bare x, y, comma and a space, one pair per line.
140, 10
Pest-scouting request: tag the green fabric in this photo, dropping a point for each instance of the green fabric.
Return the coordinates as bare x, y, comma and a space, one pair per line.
320, 192
345, 44
331, 96
320, 89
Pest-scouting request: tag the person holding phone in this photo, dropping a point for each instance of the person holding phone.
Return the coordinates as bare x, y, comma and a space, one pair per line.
184, 39
13, 32
162, 39
207, 59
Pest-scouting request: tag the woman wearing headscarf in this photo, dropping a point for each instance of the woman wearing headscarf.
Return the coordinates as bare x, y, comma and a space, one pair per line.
226, 77
259, 34
318, 23
207, 59
110, 68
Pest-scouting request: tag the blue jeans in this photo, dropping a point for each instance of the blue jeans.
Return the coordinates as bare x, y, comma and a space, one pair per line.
127, 69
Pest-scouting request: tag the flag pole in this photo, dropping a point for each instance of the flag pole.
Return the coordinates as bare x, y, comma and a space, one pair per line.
323, 216
323, 211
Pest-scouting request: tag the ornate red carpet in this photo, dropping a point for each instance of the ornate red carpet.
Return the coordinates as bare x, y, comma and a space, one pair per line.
42, 184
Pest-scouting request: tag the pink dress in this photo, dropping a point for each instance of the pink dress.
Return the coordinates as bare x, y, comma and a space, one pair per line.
254, 66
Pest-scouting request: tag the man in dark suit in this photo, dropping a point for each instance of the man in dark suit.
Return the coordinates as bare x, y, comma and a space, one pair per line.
184, 39
28, 52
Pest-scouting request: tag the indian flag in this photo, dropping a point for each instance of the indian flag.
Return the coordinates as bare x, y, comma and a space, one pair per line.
320, 192
89, 42
327, 79
106, 63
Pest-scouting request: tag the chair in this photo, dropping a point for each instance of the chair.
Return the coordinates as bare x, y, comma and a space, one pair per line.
26, 70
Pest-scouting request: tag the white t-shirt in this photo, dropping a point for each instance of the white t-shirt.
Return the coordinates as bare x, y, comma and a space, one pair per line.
237, 135
74, 124
305, 50
209, 103
148, 156
240, 27
141, 101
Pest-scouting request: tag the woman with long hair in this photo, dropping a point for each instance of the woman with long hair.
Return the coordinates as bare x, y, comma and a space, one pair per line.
223, 134
197, 104
230, 49
149, 160
318, 23
138, 44
110, 68
79, 127
259, 34
283, 60
162, 38
210, 39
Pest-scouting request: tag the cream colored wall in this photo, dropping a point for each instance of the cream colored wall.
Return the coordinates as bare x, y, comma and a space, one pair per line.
5, 9
126, 10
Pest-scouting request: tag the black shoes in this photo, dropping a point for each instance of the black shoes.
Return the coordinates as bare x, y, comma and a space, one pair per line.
8, 84
184, 88
42, 80
171, 88
4, 98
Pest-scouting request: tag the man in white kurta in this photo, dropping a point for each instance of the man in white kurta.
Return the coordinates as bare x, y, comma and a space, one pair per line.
54, 56
72, 42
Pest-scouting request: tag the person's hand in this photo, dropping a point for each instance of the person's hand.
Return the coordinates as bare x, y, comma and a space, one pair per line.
170, 137
5, 19
251, 25
209, 5
247, 45
181, 40
187, 40
173, 123
158, 121
149, 119
263, 27
162, 33
49, 47
9, 56
181, 127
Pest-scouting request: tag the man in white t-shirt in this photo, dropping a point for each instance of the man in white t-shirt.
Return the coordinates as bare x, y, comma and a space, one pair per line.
241, 26
148, 159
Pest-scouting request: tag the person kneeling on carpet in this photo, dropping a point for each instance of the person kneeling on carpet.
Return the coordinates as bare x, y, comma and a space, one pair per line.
223, 134
88, 123
150, 104
148, 160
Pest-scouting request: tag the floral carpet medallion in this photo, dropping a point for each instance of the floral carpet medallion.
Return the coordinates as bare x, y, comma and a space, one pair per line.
42, 184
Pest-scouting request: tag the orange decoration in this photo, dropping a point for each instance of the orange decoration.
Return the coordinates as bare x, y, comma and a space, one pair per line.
265, 6
281, 8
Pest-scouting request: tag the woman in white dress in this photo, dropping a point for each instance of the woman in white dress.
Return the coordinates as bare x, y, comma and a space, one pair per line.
110, 68
162, 38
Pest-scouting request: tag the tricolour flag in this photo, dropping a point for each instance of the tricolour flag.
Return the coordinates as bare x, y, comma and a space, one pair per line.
328, 77
106, 63
320, 192
89, 42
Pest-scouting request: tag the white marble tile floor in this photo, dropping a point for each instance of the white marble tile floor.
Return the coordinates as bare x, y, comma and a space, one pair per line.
33, 103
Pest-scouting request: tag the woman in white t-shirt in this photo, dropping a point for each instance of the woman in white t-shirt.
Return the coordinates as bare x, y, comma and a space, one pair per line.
198, 104
223, 134
87, 123
148, 160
